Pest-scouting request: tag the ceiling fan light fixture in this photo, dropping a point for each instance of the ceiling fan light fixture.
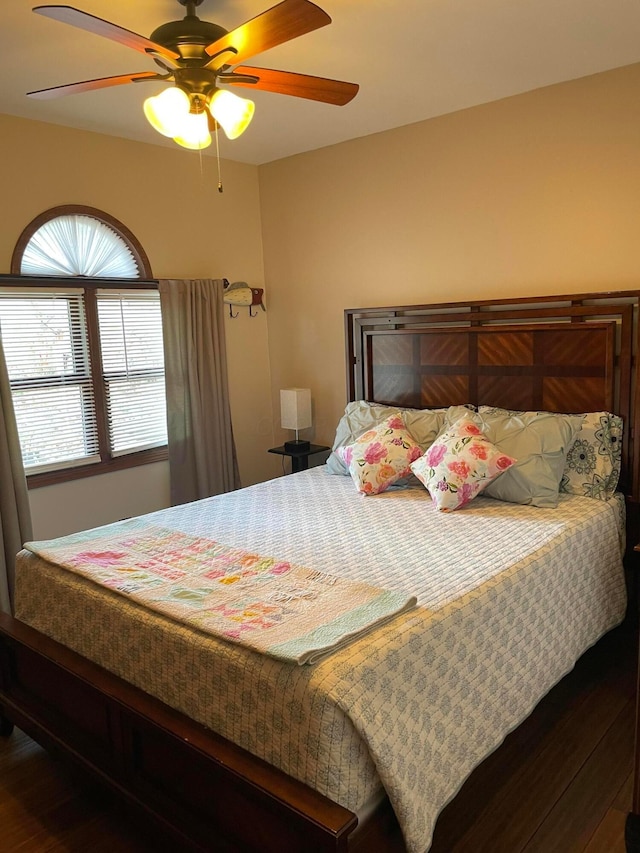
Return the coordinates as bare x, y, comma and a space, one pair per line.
194, 131
232, 113
167, 111
195, 56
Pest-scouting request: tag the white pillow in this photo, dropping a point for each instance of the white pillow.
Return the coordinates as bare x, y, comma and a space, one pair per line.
592, 468
539, 441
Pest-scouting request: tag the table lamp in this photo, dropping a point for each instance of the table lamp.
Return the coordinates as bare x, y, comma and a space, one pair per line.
295, 413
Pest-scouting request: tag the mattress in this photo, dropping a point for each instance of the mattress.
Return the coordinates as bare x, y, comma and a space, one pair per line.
509, 597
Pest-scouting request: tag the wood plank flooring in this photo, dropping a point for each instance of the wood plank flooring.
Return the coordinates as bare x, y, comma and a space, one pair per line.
561, 783
563, 780
44, 807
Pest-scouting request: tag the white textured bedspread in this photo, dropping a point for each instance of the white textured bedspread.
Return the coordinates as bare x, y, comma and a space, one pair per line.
508, 599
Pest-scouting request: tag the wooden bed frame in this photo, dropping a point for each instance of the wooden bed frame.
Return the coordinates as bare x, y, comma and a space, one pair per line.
571, 353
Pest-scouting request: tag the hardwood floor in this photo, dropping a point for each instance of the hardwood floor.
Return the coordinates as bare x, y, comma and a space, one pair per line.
561, 783
44, 807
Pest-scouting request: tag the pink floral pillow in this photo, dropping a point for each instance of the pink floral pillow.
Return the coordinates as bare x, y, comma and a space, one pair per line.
380, 456
459, 464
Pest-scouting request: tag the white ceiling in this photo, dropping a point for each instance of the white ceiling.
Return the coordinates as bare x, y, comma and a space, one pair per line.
413, 59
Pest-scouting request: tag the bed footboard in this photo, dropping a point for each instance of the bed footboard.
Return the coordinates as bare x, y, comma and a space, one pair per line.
199, 788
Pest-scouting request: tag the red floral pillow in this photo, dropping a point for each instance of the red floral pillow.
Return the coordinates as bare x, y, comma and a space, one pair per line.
381, 456
459, 464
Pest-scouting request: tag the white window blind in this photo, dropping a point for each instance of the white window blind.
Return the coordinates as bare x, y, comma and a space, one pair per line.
44, 337
78, 245
133, 369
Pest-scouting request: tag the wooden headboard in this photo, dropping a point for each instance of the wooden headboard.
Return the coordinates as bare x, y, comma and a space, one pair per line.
572, 353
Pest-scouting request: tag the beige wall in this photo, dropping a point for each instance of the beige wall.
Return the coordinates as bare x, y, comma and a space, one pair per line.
188, 229
535, 194
90, 502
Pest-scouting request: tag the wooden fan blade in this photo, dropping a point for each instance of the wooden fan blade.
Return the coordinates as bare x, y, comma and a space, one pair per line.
85, 21
286, 21
298, 85
89, 85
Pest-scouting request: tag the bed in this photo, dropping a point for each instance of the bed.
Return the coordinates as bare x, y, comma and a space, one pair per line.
267, 755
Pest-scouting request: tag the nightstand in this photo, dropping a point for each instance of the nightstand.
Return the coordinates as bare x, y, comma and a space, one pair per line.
300, 458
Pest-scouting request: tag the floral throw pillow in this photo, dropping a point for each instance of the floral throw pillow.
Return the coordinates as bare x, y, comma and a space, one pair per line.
459, 464
593, 461
381, 456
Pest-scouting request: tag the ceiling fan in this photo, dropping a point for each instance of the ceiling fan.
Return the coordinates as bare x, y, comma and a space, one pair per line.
196, 56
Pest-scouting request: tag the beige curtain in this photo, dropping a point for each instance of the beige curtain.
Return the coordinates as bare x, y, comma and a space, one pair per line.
15, 517
202, 457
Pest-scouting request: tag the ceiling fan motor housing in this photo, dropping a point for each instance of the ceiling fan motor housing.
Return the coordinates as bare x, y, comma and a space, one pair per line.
189, 36
195, 81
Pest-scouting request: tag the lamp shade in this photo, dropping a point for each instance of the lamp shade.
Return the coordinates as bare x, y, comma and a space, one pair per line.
193, 132
231, 112
295, 408
166, 112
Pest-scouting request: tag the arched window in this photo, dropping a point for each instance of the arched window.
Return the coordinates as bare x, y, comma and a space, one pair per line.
82, 335
76, 240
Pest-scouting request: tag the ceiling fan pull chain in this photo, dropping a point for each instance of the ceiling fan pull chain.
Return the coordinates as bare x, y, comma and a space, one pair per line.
218, 158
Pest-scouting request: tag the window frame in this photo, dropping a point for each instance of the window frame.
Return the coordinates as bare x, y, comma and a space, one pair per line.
107, 462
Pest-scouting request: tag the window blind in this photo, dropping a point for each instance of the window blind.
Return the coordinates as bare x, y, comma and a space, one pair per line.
44, 337
133, 369
78, 245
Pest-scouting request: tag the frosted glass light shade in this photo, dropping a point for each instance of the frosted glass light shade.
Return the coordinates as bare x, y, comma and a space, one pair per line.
194, 131
295, 408
166, 112
232, 113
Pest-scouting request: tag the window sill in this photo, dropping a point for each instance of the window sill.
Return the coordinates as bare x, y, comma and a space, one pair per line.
119, 463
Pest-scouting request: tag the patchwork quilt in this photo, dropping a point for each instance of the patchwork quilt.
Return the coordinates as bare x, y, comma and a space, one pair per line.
290, 612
